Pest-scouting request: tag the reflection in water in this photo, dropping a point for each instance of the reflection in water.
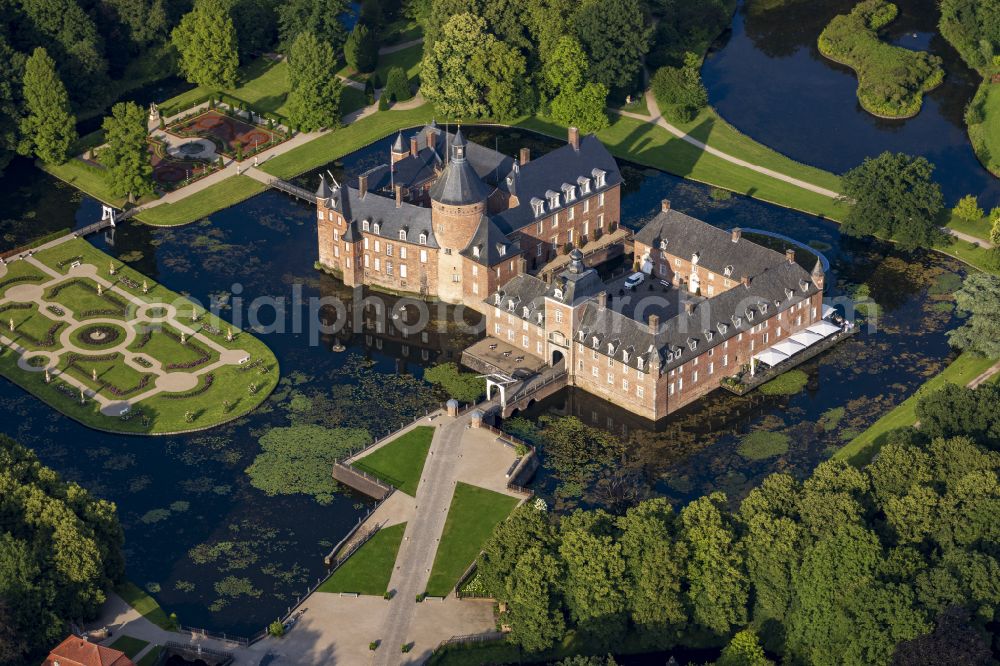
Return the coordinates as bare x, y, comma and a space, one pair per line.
205, 542
770, 81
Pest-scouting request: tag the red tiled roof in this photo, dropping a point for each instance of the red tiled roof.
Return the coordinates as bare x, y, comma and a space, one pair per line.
78, 652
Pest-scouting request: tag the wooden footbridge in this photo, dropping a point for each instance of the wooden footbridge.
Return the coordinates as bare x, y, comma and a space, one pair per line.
289, 188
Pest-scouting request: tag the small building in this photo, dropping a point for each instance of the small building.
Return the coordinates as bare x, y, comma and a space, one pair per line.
75, 651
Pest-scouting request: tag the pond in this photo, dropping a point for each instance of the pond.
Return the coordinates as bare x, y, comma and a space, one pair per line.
769, 80
224, 555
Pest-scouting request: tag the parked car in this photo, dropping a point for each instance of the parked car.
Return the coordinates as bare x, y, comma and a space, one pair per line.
634, 280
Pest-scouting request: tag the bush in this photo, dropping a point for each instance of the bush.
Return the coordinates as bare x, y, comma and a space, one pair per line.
679, 90
462, 386
276, 629
397, 85
383, 102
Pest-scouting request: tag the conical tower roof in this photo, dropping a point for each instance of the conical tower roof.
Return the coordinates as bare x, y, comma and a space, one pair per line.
398, 145
459, 185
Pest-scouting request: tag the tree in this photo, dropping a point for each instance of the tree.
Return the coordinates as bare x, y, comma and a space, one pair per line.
594, 575
397, 86
953, 411
462, 386
979, 297
654, 568
525, 527
206, 41
361, 49
953, 636
126, 156
534, 612
565, 67
314, 98
893, 196
65, 28
11, 81
469, 73
615, 37
968, 209
717, 586
743, 650
679, 90
995, 229
49, 128
575, 102
320, 17
146, 20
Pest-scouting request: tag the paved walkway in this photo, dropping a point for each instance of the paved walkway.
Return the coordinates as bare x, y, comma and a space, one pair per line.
402, 46
985, 376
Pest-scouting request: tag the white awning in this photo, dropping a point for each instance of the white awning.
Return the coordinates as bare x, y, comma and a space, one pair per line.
828, 310
806, 338
771, 357
824, 328
788, 347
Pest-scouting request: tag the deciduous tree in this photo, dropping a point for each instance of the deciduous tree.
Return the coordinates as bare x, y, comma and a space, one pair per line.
615, 36
534, 611
314, 98
206, 41
979, 297
49, 128
126, 156
968, 209
893, 196
743, 650
320, 17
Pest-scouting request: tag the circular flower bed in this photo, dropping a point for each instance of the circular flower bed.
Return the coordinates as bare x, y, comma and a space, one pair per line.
100, 336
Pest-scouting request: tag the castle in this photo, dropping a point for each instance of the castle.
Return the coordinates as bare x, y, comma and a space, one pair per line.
452, 220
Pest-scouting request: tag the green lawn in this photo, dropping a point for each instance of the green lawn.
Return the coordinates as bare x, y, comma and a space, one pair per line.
151, 657
20, 272
80, 296
144, 604
985, 136
263, 85
86, 177
638, 105
863, 447
368, 570
473, 514
978, 228
401, 461
221, 195
335, 145
164, 345
110, 373
408, 59
32, 329
244, 387
129, 645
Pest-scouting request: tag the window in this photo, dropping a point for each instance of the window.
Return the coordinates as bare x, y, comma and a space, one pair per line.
725, 360
586, 205
538, 347
640, 392
524, 324
378, 246
402, 252
677, 261
624, 384
711, 368
454, 277
611, 378
364, 225
510, 334
475, 252
388, 268
694, 377
538, 250
423, 256
336, 235
475, 288
378, 264
680, 383
475, 271
600, 200
423, 239
367, 259
639, 363
600, 221
671, 389
336, 250
496, 328
559, 316
555, 220
366, 243
402, 234
593, 371
447, 250
388, 249
402, 271
571, 214
524, 341
319, 214
376, 227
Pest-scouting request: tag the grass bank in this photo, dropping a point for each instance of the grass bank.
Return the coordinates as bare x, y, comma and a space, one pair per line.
983, 119
401, 461
213, 198
369, 569
892, 80
144, 604
863, 448
472, 516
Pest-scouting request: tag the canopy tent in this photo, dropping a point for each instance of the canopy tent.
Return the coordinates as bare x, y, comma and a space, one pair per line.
828, 310
824, 328
788, 347
771, 357
806, 338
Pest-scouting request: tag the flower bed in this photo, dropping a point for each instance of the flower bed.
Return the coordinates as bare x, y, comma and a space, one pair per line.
233, 137
171, 172
99, 335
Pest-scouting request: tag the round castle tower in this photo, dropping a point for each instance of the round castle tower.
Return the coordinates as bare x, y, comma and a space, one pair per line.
458, 202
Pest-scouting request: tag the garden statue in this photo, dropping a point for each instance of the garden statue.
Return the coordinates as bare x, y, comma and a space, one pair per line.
82, 398
48, 377
93, 374
194, 315
154, 113
229, 335
100, 289
183, 337
11, 324
145, 287
111, 267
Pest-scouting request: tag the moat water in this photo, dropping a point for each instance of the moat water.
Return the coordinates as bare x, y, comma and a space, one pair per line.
768, 79
223, 555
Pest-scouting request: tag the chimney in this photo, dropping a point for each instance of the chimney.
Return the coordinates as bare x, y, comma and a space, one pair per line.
399, 196
522, 264
746, 281
689, 307
654, 323
665, 205
790, 255
602, 300
414, 149
431, 134
737, 232
525, 156
574, 137
363, 185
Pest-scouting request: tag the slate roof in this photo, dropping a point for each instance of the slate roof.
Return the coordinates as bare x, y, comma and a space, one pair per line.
686, 236
564, 166
492, 244
383, 211
459, 184
577, 283
522, 291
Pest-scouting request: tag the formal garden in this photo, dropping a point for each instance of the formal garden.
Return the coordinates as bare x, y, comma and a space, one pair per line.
233, 133
892, 80
116, 351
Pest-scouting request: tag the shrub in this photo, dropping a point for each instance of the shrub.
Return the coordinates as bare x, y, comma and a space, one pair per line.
397, 85
679, 90
373, 646
383, 102
968, 209
277, 629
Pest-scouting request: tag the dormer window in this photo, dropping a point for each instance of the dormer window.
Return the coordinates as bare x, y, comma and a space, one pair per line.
599, 177
423, 239
663, 243
579, 335
538, 206
803, 285
727, 271
502, 250
594, 342
639, 363
365, 226
694, 259
692, 343
584, 184
553, 198
611, 349
497, 298
475, 251
624, 357
749, 314
789, 293
510, 180
510, 305
376, 227
558, 294
763, 308
540, 316
722, 328
737, 321
402, 234
569, 192
709, 335
524, 312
